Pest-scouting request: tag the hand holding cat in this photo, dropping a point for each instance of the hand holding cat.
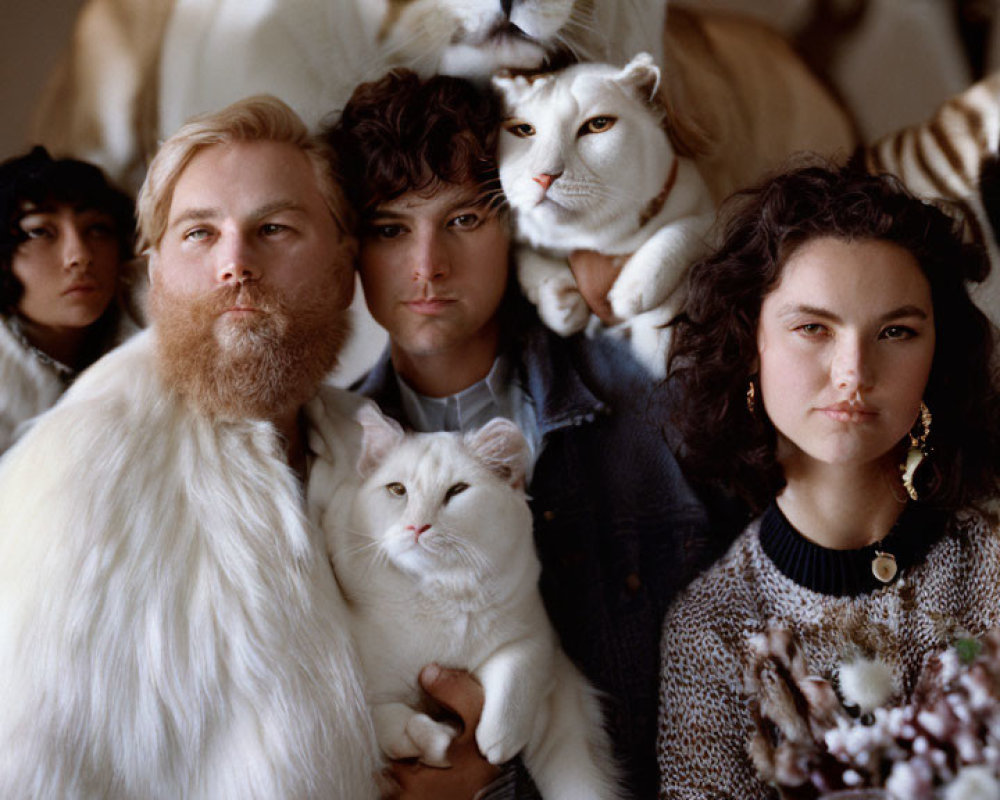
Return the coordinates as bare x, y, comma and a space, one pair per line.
595, 274
459, 693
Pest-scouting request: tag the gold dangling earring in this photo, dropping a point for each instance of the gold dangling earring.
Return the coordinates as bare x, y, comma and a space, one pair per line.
751, 397
917, 451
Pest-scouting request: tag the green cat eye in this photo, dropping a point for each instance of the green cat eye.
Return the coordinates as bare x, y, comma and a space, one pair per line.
458, 488
396, 488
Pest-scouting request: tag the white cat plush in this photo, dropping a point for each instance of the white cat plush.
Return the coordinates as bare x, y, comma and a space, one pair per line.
587, 164
438, 564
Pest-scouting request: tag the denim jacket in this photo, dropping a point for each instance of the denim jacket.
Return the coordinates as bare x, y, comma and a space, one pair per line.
618, 529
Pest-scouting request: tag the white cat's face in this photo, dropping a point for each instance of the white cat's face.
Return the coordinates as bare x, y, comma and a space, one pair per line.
582, 146
472, 38
438, 503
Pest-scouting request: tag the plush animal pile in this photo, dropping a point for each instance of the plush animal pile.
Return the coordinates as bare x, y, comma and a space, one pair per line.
735, 92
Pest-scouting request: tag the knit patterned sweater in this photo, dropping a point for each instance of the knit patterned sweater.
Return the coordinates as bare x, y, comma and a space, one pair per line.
948, 584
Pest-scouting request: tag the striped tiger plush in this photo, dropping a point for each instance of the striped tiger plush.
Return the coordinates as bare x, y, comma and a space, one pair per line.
952, 156
941, 158
738, 97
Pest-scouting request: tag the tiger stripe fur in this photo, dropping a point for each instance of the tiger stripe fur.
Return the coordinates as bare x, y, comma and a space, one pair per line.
941, 158
944, 159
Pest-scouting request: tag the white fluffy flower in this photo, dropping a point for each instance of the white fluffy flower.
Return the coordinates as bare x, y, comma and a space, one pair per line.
866, 683
911, 780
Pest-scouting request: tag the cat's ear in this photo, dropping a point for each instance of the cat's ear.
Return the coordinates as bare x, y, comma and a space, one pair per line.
513, 88
381, 435
641, 76
502, 448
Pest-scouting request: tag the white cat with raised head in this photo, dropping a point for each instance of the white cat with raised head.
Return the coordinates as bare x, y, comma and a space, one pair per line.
438, 563
587, 164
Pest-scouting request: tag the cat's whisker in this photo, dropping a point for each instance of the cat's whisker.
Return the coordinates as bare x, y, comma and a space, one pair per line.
579, 29
419, 48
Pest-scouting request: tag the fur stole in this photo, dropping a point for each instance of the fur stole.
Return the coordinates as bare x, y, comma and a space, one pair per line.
169, 625
29, 386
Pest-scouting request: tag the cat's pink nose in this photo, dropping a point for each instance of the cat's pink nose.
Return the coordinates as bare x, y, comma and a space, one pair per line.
546, 179
417, 531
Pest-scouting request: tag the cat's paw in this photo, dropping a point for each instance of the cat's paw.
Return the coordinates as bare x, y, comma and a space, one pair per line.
630, 297
431, 739
500, 737
562, 308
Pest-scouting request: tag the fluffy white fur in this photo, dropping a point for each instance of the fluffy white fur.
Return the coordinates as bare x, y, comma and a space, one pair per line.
473, 38
29, 386
438, 564
573, 188
169, 625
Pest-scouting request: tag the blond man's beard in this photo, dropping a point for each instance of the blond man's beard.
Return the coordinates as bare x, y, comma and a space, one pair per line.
252, 365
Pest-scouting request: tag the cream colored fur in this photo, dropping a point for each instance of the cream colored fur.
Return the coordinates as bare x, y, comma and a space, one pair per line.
100, 101
169, 625
736, 92
620, 190
31, 386
740, 101
438, 575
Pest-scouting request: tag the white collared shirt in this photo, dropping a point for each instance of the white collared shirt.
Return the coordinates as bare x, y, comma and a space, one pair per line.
499, 394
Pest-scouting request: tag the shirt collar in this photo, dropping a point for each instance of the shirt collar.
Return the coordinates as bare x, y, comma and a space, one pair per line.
466, 410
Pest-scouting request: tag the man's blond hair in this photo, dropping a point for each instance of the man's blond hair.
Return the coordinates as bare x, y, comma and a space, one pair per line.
262, 118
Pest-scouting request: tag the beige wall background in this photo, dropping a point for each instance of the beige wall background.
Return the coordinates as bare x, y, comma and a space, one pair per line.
32, 35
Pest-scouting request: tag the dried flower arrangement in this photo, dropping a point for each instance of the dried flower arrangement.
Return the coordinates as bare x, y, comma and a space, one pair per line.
944, 743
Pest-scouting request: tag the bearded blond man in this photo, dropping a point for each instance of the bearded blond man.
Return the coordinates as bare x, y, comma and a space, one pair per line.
169, 623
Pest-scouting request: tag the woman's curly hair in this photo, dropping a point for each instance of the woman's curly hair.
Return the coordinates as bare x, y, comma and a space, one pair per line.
38, 181
403, 133
714, 348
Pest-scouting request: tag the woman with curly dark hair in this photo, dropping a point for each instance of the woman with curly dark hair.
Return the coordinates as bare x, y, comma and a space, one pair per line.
834, 373
65, 236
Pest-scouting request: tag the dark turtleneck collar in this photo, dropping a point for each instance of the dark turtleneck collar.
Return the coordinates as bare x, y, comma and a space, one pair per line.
847, 573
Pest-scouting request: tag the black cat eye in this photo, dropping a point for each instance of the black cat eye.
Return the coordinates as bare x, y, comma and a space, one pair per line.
458, 488
520, 129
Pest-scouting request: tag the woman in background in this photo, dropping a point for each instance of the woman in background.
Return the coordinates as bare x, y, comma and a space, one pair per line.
65, 235
835, 374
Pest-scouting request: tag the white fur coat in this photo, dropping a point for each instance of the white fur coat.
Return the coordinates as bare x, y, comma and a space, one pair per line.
28, 386
169, 624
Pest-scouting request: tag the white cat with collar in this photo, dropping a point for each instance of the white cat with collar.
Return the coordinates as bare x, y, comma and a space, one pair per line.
587, 164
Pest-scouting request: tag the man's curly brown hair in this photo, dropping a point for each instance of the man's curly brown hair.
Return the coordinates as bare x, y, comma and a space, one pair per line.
403, 133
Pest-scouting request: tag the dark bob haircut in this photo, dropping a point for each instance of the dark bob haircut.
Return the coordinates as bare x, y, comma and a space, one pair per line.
37, 181
714, 348
403, 133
